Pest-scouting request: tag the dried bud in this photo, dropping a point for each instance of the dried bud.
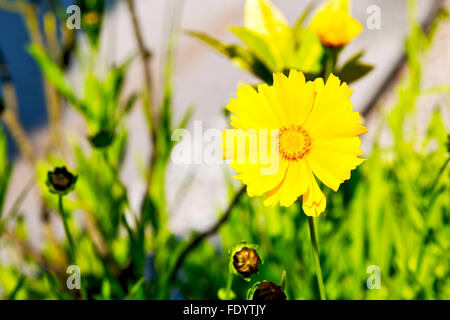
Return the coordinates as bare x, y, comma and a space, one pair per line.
246, 261
267, 290
102, 139
61, 181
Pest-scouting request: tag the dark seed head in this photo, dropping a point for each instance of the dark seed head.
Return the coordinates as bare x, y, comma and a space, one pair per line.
60, 180
246, 261
268, 290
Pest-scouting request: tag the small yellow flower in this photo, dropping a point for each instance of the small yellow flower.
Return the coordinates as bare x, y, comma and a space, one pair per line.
335, 27
263, 17
287, 134
91, 18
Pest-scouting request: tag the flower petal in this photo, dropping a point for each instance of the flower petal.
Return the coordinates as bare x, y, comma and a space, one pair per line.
314, 201
251, 110
257, 182
296, 96
332, 168
332, 116
294, 185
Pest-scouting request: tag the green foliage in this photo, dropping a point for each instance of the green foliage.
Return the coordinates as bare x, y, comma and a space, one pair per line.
101, 103
92, 19
353, 69
283, 49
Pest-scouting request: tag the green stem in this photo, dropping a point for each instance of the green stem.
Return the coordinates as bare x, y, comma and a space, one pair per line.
330, 63
67, 231
229, 283
312, 232
438, 176
73, 259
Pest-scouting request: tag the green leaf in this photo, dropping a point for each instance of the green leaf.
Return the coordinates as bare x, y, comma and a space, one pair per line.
354, 70
305, 14
238, 55
186, 117
54, 75
137, 291
444, 88
283, 282
129, 104
227, 50
256, 44
18, 286
252, 290
308, 54
436, 129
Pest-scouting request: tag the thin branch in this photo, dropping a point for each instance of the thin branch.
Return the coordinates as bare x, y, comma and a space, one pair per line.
11, 118
30, 16
146, 57
12, 213
200, 237
36, 255
148, 101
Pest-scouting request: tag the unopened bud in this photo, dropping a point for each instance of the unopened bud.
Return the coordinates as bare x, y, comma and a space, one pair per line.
267, 290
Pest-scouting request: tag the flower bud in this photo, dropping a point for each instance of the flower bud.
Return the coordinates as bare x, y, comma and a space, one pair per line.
244, 260
267, 290
91, 18
60, 181
334, 26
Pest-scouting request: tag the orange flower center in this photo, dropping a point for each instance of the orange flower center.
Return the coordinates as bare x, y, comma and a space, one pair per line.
294, 142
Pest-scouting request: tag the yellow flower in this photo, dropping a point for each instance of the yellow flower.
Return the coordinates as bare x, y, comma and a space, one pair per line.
263, 17
335, 27
287, 134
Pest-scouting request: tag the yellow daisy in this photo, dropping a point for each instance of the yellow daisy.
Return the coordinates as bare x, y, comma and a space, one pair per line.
335, 27
302, 129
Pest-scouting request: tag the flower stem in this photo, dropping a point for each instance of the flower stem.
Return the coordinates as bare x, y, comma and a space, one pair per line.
229, 283
312, 232
330, 63
67, 230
